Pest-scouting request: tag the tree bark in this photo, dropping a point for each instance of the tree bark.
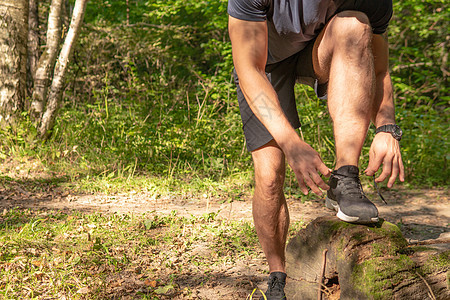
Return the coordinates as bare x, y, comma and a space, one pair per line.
363, 262
13, 57
47, 60
33, 42
56, 90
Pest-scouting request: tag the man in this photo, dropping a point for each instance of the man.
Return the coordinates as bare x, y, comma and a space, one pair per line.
340, 48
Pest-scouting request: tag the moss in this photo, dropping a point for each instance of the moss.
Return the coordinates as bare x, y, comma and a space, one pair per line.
340, 248
359, 236
379, 250
438, 262
376, 277
397, 241
336, 226
412, 250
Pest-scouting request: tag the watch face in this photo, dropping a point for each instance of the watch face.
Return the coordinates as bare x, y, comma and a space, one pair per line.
397, 133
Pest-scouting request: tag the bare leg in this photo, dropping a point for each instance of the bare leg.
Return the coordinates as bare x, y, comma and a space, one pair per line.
343, 56
270, 212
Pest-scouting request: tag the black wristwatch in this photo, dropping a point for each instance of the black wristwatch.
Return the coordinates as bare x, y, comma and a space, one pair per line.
392, 129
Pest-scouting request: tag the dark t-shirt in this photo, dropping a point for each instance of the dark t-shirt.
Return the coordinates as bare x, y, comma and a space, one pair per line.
293, 23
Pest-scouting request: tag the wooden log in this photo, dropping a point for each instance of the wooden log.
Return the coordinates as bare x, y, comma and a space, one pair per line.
363, 262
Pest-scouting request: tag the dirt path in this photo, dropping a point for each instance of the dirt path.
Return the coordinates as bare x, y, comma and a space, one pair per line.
421, 214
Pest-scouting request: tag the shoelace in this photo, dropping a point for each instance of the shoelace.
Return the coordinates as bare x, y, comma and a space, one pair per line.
352, 185
378, 190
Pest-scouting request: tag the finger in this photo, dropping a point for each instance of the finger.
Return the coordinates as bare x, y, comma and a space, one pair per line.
319, 181
324, 170
387, 168
302, 185
374, 165
312, 186
402, 169
394, 174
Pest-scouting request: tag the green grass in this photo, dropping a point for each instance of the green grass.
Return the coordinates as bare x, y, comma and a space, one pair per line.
53, 254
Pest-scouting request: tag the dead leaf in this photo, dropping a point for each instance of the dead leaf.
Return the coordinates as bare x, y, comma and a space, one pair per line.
116, 284
164, 289
150, 283
36, 263
83, 290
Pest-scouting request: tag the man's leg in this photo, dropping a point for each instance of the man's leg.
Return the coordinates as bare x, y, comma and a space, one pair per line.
342, 56
270, 212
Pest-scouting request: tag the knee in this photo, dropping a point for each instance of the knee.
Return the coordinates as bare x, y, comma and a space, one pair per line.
270, 170
352, 31
269, 185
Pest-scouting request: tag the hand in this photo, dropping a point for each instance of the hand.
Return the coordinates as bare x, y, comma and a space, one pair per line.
306, 162
385, 150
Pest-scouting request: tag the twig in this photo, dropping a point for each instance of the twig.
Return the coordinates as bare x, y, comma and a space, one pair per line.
419, 64
430, 242
431, 294
322, 274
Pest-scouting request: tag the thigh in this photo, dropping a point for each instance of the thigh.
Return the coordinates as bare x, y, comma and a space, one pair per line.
376, 13
333, 34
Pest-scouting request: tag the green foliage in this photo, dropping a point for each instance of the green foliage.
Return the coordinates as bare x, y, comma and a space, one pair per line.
419, 53
156, 95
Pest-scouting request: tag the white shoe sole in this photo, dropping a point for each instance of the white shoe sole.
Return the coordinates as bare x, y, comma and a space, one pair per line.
331, 204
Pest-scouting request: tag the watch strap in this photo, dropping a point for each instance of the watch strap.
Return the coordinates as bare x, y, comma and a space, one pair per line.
385, 128
393, 129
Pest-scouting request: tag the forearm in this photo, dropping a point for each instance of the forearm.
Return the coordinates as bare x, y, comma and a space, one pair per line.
264, 103
384, 109
249, 45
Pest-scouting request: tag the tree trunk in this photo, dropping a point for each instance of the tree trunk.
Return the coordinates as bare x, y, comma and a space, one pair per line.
363, 262
13, 57
33, 42
47, 60
56, 90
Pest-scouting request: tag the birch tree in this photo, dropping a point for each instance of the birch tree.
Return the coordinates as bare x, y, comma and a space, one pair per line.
13, 57
56, 88
47, 60
33, 41
18, 31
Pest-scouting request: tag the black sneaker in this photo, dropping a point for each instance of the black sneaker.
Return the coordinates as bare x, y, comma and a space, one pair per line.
275, 290
347, 197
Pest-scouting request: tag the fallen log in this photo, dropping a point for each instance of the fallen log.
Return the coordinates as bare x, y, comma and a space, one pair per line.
332, 259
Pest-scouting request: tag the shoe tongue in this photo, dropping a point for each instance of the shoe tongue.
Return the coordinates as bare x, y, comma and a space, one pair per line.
348, 171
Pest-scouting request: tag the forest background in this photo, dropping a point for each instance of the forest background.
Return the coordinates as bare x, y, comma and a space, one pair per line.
149, 102
149, 116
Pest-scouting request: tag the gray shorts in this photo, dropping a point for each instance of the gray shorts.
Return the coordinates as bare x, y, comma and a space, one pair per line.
283, 76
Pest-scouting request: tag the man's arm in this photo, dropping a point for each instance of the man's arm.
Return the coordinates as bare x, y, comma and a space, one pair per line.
385, 149
249, 45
